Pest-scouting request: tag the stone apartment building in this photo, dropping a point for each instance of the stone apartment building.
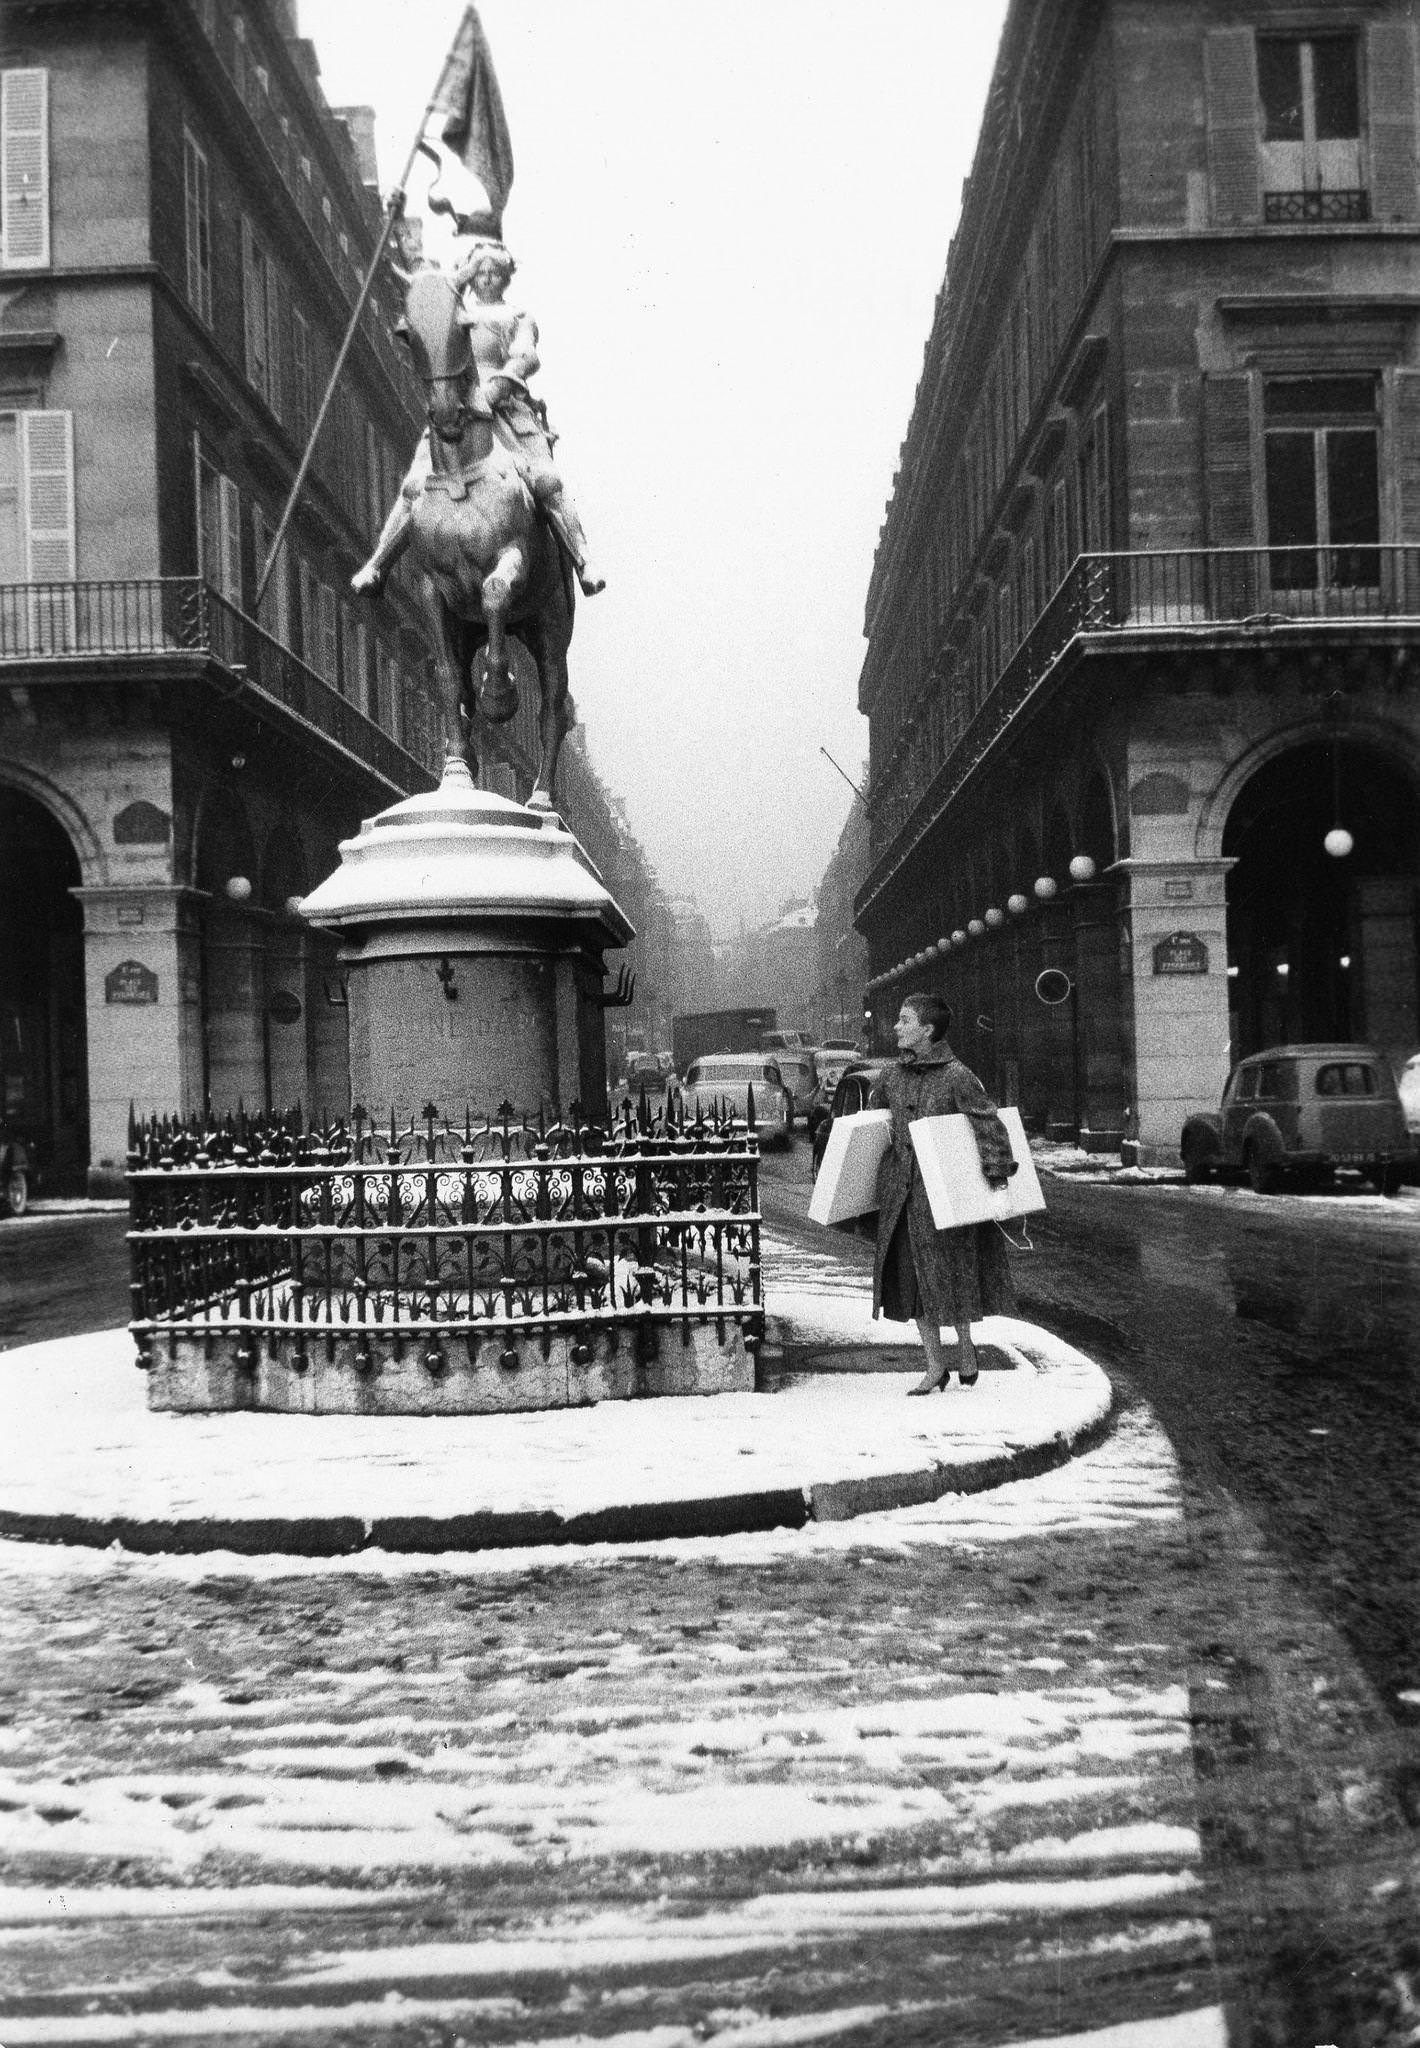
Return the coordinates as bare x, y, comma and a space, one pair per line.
186, 225
1142, 623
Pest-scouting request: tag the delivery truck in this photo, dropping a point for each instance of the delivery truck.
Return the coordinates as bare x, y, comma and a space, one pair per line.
707, 1031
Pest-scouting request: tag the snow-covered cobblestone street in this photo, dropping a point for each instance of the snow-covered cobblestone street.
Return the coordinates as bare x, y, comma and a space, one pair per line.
919, 1777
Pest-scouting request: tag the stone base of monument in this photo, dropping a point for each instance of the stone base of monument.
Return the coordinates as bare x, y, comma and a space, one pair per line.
199, 1374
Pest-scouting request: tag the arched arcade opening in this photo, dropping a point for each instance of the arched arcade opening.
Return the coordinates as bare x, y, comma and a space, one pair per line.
44, 1093
1323, 944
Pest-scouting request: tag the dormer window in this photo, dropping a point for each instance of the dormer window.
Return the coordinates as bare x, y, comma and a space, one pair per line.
1309, 87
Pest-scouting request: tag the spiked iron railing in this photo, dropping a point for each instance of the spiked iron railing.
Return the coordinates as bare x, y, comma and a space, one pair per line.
280, 1232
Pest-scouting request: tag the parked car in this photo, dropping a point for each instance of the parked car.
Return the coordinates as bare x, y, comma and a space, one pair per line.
848, 1094
1298, 1112
833, 1061
798, 1070
19, 1170
1409, 1085
728, 1077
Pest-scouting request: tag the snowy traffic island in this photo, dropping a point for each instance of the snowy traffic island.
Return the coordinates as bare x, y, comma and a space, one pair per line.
88, 1462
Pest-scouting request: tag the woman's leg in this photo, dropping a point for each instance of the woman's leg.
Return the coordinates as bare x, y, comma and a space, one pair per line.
967, 1364
938, 1365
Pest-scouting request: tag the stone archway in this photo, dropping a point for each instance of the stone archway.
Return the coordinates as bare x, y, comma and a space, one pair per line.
1323, 945
44, 1087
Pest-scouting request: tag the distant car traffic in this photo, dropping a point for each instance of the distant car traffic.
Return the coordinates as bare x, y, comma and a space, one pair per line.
1298, 1112
728, 1077
847, 1095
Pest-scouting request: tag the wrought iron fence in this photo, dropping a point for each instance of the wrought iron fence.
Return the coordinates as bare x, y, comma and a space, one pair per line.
1339, 203
284, 1234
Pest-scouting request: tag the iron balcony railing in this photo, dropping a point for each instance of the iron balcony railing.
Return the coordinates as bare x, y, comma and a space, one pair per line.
287, 1239
181, 614
1168, 592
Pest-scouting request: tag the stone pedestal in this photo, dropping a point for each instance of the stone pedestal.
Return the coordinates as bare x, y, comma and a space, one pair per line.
472, 933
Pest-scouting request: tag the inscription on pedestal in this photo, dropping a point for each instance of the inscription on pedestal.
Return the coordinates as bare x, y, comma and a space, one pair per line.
410, 1045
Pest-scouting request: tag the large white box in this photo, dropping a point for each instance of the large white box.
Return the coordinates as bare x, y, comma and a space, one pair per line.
957, 1189
847, 1183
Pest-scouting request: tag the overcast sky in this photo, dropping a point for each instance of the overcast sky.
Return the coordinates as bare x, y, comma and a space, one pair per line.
730, 224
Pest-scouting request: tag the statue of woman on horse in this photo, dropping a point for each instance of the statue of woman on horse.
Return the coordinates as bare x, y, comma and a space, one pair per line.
504, 343
483, 509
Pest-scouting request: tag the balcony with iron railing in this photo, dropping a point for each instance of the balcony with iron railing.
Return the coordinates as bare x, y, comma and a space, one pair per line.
55, 628
1172, 597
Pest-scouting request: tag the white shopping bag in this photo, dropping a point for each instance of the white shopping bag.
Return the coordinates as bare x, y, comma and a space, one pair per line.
957, 1189
847, 1183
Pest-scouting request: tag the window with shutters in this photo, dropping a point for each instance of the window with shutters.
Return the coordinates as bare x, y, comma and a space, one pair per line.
1058, 534
354, 653
240, 62
274, 613
12, 526
1310, 93
24, 170
262, 298
1095, 522
328, 631
1322, 449
303, 404
219, 529
37, 528
197, 223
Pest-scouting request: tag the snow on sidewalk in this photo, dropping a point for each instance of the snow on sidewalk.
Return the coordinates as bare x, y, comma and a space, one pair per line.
80, 1440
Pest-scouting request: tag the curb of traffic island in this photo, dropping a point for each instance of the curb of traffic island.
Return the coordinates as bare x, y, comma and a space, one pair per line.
741, 1514
843, 1500
346, 1535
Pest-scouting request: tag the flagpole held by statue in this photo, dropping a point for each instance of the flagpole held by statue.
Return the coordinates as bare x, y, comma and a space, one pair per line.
483, 511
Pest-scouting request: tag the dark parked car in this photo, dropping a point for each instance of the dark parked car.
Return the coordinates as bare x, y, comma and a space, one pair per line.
843, 1097
1299, 1112
19, 1171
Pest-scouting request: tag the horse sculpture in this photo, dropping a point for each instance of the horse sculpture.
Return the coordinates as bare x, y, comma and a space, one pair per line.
490, 565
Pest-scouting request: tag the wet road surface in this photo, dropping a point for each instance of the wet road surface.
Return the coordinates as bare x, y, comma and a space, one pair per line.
61, 1275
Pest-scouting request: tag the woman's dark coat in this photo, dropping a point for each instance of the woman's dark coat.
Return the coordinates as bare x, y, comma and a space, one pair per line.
961, 1274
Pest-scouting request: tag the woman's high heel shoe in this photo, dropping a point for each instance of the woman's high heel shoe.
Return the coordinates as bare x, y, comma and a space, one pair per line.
930, 1386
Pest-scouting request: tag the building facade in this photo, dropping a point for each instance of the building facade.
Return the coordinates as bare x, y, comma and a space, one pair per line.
185, 225
1142, 623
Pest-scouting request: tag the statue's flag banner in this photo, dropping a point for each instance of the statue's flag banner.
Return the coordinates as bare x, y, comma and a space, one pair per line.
473, 126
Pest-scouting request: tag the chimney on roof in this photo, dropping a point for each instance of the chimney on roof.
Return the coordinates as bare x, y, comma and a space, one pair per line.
360, 126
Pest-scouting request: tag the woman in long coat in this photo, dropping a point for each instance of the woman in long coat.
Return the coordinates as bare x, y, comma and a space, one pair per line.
922, 1274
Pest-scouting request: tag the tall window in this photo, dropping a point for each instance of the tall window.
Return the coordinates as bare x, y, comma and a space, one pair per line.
219, 531
24, 170
1094, 483
12, 535
1311, 127
275, 611
197, 221
303, 403
261, 301
1322, 439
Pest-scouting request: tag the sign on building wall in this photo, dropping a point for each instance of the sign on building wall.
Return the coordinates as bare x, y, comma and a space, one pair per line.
1181, 953
131, 982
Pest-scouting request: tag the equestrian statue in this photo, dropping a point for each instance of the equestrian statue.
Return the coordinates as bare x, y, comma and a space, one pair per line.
483, 510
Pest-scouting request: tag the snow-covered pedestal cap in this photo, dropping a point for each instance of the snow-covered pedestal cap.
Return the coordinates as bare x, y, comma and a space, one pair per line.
460, 853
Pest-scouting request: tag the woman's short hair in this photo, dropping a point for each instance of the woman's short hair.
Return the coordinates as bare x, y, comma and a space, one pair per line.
931, 1010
